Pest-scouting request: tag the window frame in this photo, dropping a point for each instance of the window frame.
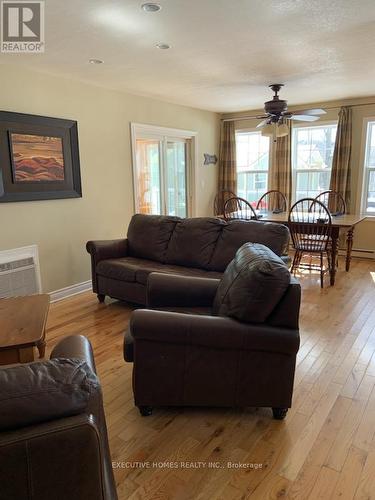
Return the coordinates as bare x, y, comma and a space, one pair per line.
270, 153
364, 173
318, 123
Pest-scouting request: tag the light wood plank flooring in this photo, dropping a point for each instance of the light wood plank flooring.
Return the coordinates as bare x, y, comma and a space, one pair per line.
324, 449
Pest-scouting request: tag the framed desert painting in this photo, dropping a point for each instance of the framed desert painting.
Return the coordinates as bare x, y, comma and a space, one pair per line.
39, 158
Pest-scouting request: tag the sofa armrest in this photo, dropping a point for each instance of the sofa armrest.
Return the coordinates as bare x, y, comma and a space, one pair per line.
75, 346
210, 331
169, 290
78, 347
107, 249
41, 456
10, 437
102, 250
286, 313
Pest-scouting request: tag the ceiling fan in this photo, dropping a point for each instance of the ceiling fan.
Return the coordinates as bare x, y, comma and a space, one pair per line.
276, 114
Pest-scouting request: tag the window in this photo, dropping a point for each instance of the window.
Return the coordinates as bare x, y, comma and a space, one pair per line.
162, 177
368, 197
313, 148
253, 157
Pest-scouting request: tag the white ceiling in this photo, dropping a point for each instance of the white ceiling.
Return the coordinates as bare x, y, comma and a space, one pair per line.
224, 52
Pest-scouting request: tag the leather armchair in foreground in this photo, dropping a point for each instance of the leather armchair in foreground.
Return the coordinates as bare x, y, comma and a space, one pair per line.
53, 435
237, 347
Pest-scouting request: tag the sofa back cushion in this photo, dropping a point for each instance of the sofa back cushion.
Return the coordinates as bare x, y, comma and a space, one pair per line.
149, 235
193, 242
236, 233
253, 284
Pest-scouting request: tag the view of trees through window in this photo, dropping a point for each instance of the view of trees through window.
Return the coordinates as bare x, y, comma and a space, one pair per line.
148, 175
312, 159
312, 153
161, 176
253, 157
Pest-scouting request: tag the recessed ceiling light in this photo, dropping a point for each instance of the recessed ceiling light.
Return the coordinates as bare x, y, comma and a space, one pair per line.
151, 7
163, 46
95, 61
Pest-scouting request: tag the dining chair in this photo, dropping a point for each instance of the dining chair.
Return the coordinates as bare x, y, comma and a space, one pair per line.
221, 197
336, 205
274, 201
310, 226
334, 201
238, 209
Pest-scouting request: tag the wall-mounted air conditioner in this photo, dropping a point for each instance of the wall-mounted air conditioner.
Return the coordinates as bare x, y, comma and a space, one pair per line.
19, 272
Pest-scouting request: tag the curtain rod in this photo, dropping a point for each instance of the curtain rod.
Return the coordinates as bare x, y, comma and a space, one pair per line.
252, 117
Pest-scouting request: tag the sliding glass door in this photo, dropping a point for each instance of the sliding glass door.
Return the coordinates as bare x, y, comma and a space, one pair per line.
176, 177
161, 174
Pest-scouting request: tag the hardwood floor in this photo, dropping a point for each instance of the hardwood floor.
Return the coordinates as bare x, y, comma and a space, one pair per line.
325, 448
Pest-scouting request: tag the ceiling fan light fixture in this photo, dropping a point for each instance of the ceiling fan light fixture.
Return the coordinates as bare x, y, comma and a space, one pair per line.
268, 130
276, 111
282, 130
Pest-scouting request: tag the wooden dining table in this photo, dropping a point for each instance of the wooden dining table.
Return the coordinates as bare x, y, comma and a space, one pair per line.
346, 222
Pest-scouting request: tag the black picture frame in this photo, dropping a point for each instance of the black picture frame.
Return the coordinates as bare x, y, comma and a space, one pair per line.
20, 123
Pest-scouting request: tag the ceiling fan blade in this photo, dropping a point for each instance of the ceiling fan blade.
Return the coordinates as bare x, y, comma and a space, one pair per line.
262, 123
304, 118
260, 117
313, 112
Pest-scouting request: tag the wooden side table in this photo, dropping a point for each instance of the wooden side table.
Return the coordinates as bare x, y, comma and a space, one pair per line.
22, 327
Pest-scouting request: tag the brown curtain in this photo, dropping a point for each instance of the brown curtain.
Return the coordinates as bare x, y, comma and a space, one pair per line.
227, 158
340, 176
280, 171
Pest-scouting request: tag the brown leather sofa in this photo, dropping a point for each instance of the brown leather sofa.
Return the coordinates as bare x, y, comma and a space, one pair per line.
218, 343
200, 247
53, 436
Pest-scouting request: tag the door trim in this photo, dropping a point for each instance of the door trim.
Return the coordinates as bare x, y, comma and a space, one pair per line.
157, 132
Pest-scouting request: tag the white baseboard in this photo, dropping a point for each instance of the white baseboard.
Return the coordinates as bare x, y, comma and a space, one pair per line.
362, 254
69, 291
359, 253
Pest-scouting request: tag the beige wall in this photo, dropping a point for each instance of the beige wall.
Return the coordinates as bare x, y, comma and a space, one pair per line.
365, 231
61, 228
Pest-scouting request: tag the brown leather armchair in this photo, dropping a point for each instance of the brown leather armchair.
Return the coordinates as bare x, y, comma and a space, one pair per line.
53, 436
185, 356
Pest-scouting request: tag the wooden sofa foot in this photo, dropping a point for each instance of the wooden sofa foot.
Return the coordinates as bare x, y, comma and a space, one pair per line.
145, 411
279, 413
101, 297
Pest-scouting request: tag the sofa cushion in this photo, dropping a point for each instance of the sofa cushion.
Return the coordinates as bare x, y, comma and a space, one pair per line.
148, 267
236, 233
252, 285
193, 242
38, 392
119, 269
149, 235
132, 269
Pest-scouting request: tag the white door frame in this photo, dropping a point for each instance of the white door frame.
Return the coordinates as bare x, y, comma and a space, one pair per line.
137, 130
